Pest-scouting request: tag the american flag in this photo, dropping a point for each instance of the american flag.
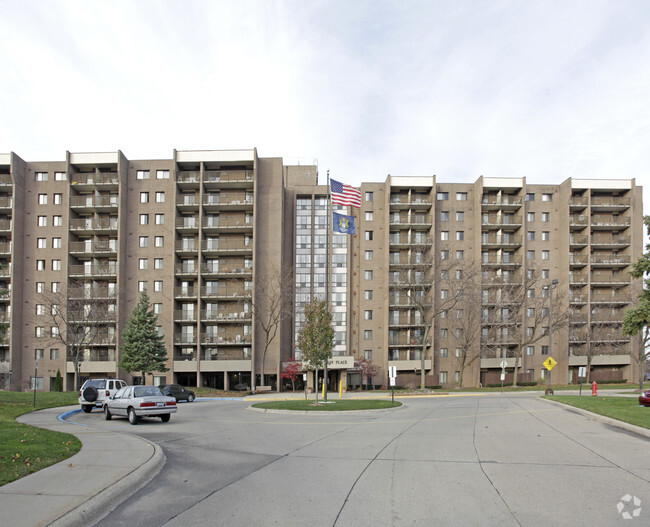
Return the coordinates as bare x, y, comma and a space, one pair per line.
345, 194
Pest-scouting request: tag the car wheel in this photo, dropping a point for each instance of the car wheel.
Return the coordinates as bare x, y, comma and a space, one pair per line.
165, 417
90, 393
190, 398
107, 413
87, 408
133, 418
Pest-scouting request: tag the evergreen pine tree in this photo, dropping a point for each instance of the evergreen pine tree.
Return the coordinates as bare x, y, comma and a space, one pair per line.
144, 348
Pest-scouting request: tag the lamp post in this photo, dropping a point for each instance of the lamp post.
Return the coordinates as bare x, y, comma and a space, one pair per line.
549, 390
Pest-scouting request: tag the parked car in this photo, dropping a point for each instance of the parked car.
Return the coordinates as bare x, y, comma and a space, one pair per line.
644, 398
94, 392
242, 387
177, 392
135, 402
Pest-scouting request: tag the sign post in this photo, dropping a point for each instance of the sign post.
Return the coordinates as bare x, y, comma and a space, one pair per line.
582, 373
392, 374
503, 372
549, 364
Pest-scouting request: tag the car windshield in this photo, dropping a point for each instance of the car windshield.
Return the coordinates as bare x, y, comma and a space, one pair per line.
144, 391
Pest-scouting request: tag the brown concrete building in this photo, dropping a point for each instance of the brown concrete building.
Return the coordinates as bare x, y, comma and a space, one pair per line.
206, 232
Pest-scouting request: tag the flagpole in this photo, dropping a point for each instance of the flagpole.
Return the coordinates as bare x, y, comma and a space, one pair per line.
329, 272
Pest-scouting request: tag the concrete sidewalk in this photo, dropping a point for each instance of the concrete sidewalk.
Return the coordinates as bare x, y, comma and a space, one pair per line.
80, 490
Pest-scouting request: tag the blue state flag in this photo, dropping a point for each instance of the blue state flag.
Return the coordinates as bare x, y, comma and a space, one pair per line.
342, 223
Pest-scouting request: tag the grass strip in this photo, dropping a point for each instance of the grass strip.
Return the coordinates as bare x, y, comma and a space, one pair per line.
342, 405
26, 449
626, 409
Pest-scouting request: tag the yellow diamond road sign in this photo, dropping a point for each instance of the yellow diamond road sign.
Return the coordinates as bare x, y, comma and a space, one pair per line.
549, 363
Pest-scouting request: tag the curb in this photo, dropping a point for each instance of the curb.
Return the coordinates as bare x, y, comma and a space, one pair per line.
603, 419
93, 510
323, 412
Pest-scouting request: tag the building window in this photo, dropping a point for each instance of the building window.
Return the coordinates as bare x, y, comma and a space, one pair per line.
157, 309
461, 196
56, 265
41, 243
369, 196
157, 286
530, 236
159, 241
443, 377
60, 176
442, 196
530, 196
40, 309
460, 255
162, 174
546, 217
546, 255
144, 219
40, 176
460, 236
444, 255
369, 235
143, 263
40, 265
144, 241
54, 331
530, 217
546, 274
57, 221
160, 197
368, 255
460, 216
54, 354
547, 197
530, 255
367, 334
444, 353
367, 275
144, 197
544, 350
42, 199
40, 286
55, 287
369, 215
444, 236
142, 286
367, 314
157, 263
142, 174
39, 331
443, 333
530, 350
546, 236
58, 198
160, 219
42, 221
444, 215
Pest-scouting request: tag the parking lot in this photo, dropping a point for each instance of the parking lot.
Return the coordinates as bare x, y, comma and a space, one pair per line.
483, 459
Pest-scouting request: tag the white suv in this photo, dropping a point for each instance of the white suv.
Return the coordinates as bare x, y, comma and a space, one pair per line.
94, 392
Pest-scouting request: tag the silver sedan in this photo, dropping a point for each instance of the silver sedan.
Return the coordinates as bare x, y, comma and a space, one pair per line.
135, 402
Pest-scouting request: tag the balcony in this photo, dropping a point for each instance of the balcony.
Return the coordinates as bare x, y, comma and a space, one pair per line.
93, 247
405, 322
228, 340
185, 339
91, 203
185, 270
229, 292
187, 246
226, 271
505, 202
405, 202
495, 260
218, 179
188, 179
610, 261
89, 181
228, 225
577, 222
577, 299
234, 247
236, 317
94, 225
220, 202
185, 292
577, 337
577, 279
5, 226
6, 182
496, 241
6, 203
609, 222
610, 203
612, 298
578, 241
578, 203
610, 279
610, 242
609, 316
410, 221
108, 270
226, 353
184, 316
505, 222
187, 202
405, 242
578, 260
403, 340
187, 224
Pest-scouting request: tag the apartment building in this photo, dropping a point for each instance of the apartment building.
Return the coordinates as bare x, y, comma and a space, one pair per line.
205, 231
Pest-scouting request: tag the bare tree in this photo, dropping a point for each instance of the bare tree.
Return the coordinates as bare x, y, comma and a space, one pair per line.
80, 315
272, 304
466, 319
517, 314
427, 287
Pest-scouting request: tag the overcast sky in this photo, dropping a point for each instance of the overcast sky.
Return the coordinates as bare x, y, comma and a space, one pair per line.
546, 89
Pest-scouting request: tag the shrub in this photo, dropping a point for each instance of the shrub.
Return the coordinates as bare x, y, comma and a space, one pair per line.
58, 382
612, 381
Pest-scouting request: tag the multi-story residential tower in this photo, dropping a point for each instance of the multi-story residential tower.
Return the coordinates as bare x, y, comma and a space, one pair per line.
201, 231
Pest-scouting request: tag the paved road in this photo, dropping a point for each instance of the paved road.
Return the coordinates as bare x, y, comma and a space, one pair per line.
488, 460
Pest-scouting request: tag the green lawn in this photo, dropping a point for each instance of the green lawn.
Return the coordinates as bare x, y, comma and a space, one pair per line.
341, 405
625, 409
25, 449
